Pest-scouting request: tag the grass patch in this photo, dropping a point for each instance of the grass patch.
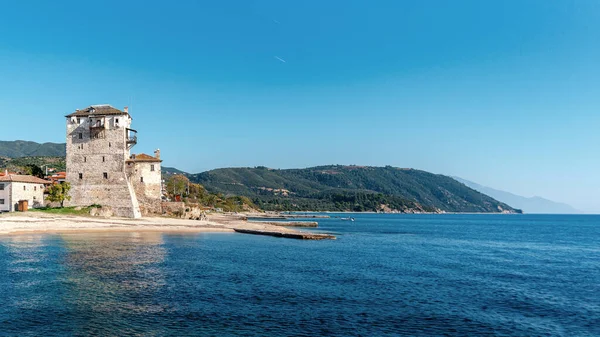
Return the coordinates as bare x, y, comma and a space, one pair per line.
74, 210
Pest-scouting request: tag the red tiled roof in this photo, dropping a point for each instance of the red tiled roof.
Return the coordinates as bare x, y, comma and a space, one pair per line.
143, 157
19, 178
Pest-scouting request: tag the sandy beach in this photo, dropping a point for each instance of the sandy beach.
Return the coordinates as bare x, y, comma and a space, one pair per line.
39, 222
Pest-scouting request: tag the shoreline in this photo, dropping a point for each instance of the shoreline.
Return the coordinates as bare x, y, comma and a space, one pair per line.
45, 223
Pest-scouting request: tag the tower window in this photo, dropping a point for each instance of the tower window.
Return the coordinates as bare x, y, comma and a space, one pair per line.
24, 188
80, 175
78, 120
80, 135
103, 159
105, 175
35, 188
85, 159
141, 179
152, 167
108, 144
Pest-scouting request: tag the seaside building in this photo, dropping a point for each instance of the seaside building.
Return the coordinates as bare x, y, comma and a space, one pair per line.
144, 172
100, 167
17, 187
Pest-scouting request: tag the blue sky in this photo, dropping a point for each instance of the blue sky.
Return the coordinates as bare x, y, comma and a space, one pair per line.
503, 93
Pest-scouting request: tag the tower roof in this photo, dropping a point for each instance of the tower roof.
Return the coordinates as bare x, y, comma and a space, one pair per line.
95, 110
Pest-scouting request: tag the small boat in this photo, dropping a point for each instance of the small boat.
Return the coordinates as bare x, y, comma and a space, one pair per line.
347, 219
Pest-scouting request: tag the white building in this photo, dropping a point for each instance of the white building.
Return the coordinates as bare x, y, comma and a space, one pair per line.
16, 187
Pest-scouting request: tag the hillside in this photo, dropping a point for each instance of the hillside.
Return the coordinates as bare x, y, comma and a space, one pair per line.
528, 205
21, 148
169, 171
18, 164
358, 188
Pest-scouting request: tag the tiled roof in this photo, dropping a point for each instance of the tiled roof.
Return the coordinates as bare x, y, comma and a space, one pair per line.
143, 157
96, 110
19, 178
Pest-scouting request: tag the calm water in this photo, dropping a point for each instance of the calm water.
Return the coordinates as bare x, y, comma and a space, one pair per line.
385, 275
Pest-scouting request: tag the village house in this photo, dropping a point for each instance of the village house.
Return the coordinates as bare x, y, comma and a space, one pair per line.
101, 169
16, 187
58, 177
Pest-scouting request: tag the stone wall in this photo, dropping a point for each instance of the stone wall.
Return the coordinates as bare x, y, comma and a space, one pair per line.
146, 180
174, 208
99, 157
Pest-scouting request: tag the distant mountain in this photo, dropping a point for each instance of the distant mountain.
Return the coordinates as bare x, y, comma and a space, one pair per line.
528, 205
356, 188
21, 148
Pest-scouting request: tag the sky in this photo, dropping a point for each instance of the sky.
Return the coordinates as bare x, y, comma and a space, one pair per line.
502, 93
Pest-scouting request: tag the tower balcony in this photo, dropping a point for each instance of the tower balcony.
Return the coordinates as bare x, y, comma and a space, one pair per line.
131, 138
97, 127
97, 130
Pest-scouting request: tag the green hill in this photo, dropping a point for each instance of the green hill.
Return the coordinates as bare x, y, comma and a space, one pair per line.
21, 148
349, 188
55, 164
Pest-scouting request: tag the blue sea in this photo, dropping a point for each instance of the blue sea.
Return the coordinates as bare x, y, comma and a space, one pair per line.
385, 275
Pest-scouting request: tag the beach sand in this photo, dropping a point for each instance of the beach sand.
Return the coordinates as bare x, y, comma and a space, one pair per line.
39, 222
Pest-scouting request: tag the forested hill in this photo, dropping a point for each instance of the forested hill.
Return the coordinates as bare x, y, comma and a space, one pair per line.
351, 188
21, 148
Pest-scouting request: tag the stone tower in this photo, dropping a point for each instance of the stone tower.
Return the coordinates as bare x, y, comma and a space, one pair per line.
99, 139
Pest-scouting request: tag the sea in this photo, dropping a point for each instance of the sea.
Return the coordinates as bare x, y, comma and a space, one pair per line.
385, 275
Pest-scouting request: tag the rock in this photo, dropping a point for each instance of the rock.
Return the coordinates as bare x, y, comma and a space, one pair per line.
94, 211
106, 212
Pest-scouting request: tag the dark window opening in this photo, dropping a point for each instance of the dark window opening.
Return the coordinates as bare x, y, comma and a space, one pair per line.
24, 188
78, 120
103, 159
80, 135
105, 175
151, 167
80, 175
1, 187
142, 179
85, 159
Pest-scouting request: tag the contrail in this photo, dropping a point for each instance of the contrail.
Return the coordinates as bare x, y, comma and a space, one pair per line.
280, 59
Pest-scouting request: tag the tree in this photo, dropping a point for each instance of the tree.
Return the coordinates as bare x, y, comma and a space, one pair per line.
34, 170
177, 184
59, 193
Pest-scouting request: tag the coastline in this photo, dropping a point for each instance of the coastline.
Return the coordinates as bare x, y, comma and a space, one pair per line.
44, 223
